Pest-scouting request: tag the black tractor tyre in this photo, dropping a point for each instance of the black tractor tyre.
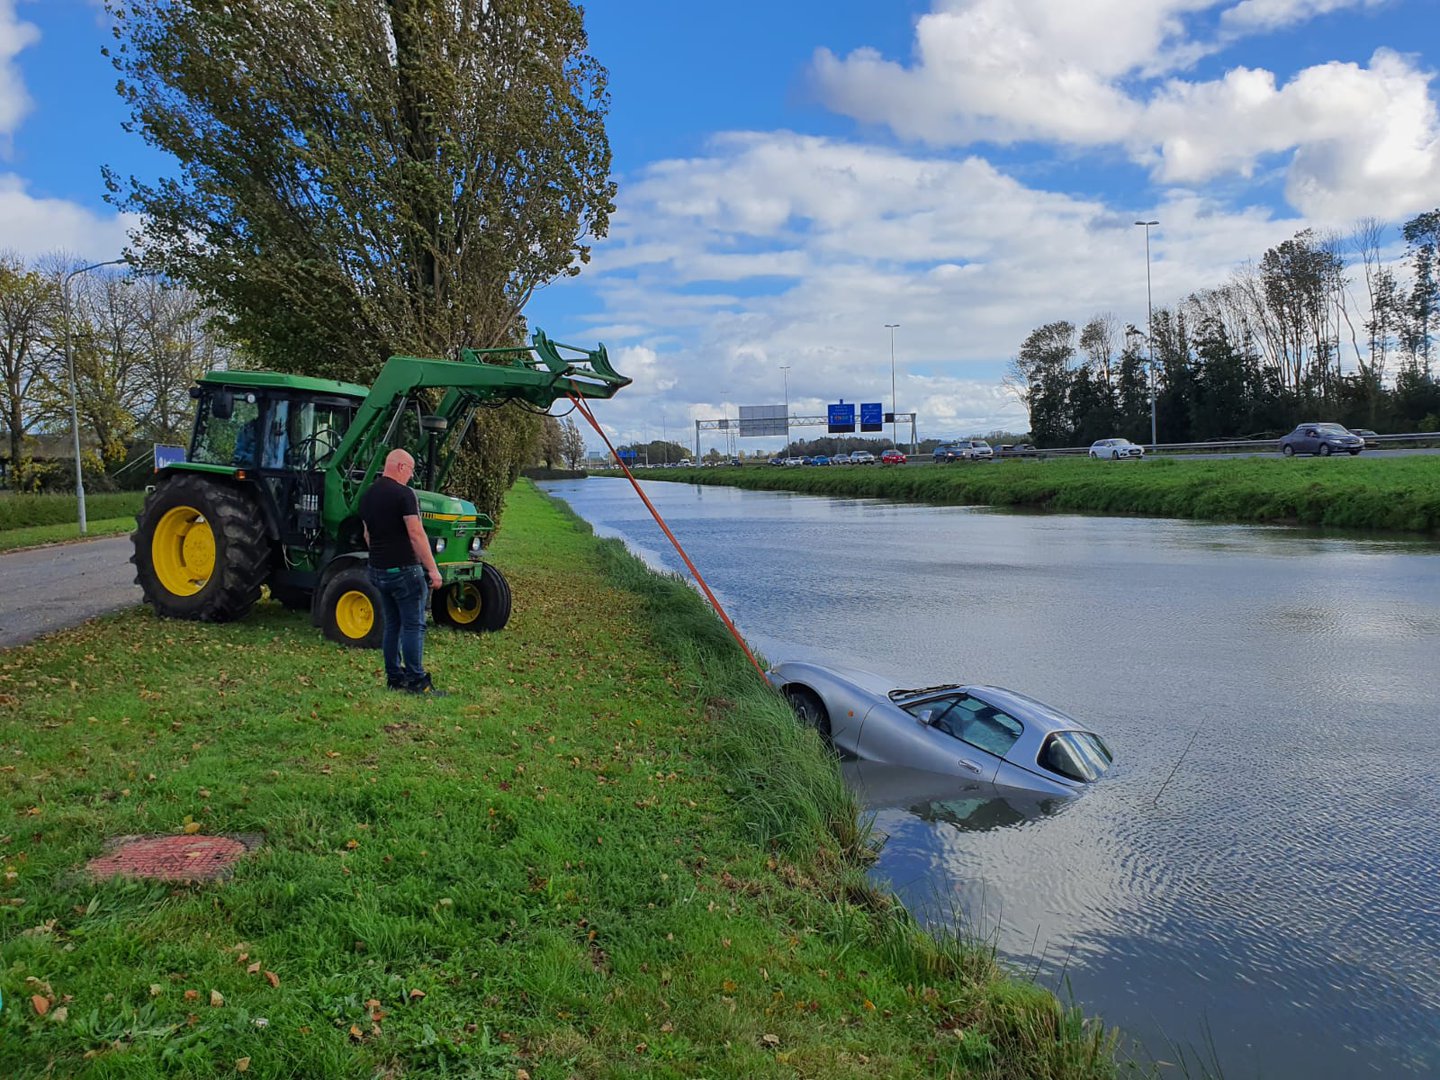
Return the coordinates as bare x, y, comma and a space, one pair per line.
351, 612
481, 606
291, 597
809, 708
201, 551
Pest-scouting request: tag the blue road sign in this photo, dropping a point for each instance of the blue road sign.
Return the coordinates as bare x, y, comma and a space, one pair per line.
168, 455
870, 414
841, 419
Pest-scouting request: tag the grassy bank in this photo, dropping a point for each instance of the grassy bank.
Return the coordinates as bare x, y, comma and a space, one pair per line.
1382, 494
610, 854
43, 535
29, 511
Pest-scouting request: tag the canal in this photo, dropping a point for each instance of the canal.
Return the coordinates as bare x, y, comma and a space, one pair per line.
1256, 886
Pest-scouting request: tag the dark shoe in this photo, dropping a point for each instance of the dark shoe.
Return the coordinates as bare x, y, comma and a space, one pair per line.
397, 684
423, 685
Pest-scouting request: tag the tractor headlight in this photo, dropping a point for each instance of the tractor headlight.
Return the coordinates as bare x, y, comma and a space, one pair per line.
475, 548
439, 545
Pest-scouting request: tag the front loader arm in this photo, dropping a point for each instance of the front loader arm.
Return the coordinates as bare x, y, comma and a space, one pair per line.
537, 375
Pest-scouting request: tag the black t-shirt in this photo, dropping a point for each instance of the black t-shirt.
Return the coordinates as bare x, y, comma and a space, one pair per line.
384, 509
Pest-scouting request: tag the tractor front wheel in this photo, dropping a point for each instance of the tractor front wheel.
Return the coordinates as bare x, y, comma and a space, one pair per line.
200, 550
482, 605
350, 610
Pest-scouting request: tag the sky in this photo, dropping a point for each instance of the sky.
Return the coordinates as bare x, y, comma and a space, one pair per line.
795, 176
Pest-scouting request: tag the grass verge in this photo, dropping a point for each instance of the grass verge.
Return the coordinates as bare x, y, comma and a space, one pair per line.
43, 535
611, 853
1379, 494
27, 511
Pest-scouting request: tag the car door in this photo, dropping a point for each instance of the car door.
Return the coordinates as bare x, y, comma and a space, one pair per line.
1309, 441
933, 737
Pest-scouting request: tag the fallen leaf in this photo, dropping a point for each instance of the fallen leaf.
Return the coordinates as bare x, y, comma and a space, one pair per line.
40, 1003
193, 828
192, 995
521, 1074
272, 979
216, 999
60, 1015
352, 844
770, 1040
253, 969
416, 995
356, 1033
242, 1064
156, 989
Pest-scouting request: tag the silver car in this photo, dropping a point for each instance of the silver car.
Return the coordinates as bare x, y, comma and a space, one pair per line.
983, 733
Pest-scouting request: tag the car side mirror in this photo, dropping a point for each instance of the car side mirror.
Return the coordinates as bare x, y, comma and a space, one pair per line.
925, 717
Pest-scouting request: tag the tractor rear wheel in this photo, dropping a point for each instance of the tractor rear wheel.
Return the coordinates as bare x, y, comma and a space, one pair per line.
200, 550
482, 605
350, 610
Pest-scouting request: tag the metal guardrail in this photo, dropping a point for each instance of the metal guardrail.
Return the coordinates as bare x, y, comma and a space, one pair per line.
1223, 446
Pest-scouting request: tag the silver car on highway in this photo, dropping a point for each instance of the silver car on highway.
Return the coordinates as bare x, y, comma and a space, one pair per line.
981, 733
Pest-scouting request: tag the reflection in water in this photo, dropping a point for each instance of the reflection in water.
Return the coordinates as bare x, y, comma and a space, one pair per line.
1280, 896
968, 805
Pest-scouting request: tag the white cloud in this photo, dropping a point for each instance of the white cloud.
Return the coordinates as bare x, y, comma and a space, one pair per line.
15, 36
965, 258
1359, 139
1250, 15
32, 227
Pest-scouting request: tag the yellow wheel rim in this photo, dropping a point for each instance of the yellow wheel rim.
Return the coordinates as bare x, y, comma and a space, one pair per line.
354, 614
462, 603
182, 551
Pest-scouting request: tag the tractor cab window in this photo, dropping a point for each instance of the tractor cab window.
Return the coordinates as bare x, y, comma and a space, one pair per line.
231, 439
303, 433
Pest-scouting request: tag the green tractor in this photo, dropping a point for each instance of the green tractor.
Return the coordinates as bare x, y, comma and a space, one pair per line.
269, 493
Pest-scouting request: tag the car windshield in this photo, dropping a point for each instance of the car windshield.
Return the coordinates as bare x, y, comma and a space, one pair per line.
1078, 755
1332, 429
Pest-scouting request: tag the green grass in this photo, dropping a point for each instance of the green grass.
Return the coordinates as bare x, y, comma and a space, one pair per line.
612, 853
1380, 494
25, 511
41, 535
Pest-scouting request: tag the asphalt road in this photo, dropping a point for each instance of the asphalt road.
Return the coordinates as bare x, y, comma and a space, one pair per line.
49, 588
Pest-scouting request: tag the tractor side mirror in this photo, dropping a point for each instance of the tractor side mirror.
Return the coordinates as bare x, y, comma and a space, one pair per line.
434, 424
222, 404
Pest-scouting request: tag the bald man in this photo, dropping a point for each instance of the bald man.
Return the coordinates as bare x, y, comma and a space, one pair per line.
402, 569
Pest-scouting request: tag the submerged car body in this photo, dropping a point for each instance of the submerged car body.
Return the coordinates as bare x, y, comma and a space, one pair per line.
984, 733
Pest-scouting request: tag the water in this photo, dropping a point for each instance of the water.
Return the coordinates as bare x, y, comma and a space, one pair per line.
1275, 909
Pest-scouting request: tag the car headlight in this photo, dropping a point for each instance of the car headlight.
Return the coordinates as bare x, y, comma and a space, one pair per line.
439, 545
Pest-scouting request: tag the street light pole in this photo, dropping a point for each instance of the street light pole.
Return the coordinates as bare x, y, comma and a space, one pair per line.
785, 374
894, 439
1150, 329
70, 364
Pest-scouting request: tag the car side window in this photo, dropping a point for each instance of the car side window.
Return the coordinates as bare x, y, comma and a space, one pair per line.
971, 721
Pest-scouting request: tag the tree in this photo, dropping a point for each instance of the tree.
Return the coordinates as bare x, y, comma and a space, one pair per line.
1041, 374
549, 446
572, 444
365, 177
29, 307
1422, 237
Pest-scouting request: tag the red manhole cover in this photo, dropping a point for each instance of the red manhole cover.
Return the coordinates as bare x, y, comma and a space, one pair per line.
170, 858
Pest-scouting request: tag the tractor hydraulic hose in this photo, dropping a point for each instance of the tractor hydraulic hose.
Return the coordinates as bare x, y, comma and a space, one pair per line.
585, 412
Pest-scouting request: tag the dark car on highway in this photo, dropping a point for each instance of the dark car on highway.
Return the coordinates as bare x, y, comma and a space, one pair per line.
1372, 439
1322, 439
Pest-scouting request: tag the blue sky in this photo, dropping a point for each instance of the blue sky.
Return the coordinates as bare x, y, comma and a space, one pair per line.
795, 175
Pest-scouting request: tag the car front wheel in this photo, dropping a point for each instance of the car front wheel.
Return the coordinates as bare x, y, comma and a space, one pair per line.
809, 708
1094, 456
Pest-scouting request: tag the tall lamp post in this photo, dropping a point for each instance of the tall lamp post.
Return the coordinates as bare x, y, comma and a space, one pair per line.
70, 364
1150, 329
785, 374
894, 439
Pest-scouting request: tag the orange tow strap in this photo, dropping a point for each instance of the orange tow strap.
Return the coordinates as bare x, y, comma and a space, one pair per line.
585, 412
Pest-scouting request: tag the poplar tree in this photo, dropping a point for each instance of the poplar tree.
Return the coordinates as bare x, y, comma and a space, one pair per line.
358, 178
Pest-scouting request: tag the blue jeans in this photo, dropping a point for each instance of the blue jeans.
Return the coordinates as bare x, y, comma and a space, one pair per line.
403, 593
